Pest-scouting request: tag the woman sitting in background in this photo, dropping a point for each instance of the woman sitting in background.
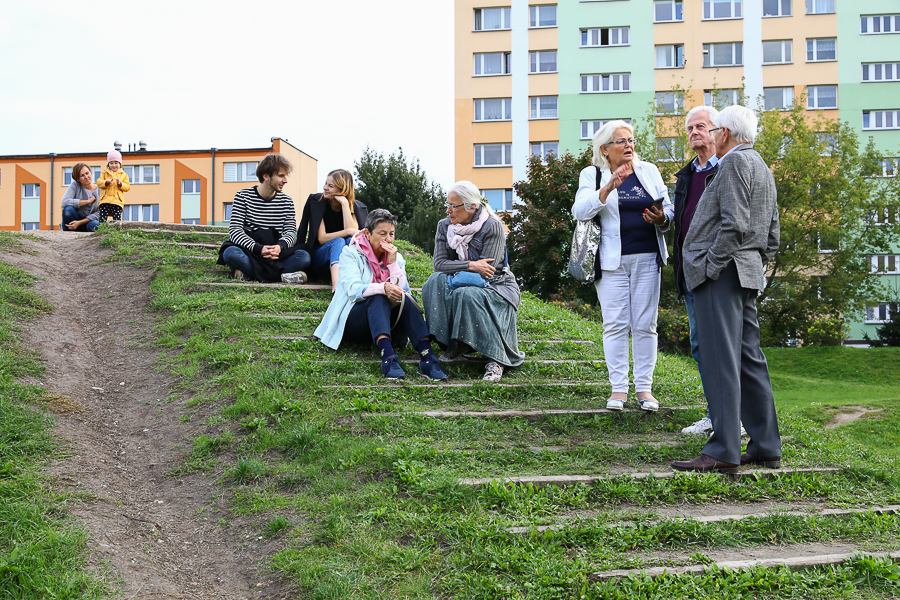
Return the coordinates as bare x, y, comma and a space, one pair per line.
371, 301
478, 314
329, 222
81, 201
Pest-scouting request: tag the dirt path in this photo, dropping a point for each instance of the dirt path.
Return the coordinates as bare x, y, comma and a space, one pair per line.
160, 536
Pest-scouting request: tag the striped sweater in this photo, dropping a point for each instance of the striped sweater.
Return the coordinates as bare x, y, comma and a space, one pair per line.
251, 212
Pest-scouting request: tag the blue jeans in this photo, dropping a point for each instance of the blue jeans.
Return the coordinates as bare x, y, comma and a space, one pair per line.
692, 324
236, 258
71, 214
328, 254
372, 317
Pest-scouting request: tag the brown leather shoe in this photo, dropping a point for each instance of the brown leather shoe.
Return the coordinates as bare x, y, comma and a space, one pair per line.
770, 462
704, 464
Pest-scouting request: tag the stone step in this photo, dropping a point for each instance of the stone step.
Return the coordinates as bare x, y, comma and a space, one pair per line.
531, 415
289, 317
792, 562
470, 383
484, 359
256, 284
827, 512
174, 226
183, 232
754, 474
301, 338
185, 244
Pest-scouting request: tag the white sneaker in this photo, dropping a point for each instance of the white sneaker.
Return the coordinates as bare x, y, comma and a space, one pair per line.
616, 405
649, 405
297, 277
701, 427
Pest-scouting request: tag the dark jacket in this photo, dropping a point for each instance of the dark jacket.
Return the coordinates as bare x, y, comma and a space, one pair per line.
313, 212
682, 188
267, 270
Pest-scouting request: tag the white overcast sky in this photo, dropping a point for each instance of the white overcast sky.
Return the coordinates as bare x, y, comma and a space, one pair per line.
330, 76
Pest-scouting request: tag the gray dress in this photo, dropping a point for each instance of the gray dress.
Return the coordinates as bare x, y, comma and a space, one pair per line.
483, 318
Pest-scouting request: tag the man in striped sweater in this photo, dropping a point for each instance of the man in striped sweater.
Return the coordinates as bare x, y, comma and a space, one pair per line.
263, 229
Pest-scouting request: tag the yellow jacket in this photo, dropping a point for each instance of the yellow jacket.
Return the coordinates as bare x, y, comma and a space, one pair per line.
113, 194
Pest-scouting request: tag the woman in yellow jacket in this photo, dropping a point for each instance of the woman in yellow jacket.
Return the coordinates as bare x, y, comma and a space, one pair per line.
114, 183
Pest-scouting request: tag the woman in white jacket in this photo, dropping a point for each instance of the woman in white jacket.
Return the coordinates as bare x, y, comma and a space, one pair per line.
632, 251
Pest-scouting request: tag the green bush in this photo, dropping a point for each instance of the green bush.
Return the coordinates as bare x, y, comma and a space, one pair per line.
673, 331
825, 332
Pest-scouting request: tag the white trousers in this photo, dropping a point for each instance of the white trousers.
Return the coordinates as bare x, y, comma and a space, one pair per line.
629, 301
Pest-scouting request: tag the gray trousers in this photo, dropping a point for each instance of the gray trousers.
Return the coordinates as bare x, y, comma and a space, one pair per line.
735, 372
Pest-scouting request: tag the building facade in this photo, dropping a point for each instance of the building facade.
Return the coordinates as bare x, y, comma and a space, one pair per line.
534, 76
169, 186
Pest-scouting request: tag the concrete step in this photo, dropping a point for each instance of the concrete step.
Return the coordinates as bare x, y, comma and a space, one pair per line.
173, 226
256, 284
531, 415
484, 359
218, 234
185, 244
750, 473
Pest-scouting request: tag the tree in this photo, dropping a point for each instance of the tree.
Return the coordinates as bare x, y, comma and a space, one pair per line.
402, 188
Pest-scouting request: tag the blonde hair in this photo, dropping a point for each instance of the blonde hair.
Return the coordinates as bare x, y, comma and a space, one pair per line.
604, 136
343, 181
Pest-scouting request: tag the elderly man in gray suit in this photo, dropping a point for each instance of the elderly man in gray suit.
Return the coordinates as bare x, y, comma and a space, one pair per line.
733, 234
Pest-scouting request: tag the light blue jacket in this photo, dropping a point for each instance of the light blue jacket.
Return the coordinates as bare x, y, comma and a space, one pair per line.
354, 277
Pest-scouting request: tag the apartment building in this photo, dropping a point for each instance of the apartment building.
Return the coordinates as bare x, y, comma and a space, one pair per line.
533, 76
169, 186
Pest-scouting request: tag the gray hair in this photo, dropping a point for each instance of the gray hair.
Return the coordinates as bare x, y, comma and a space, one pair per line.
740, 121
379, 216
604, 136
709, 110
470, 196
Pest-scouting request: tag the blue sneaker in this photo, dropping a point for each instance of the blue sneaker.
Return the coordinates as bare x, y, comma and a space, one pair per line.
390, 366
431, 369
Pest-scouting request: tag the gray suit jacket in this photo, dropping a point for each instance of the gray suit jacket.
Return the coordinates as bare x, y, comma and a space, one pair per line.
736, 219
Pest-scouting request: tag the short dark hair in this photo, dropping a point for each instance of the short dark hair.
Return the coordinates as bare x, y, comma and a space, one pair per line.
76, 171
379, 216
272, 164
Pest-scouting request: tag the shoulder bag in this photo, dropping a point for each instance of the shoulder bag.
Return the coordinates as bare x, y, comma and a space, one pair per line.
583, 259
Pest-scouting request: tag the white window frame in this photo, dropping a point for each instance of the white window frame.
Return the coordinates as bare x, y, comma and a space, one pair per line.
504, 19
813, 7
505, 155
676, 7
890, 167
67, 176
735, 9
781, 9
709, 54
889, 119
142, 174
723, 96
480, 107
591, 126
873, 313
615, 36
34, 188
534, 15
535, 63
543, 148
877, 72
666, 149
536, 108
677, 103
672, 55
505, 68
879, 24
822, 250
593, 83
785, 48
812, 97
239, 171
506, 205
195, 187
885, 264
787, 97
885, 215
812, 46
30, 226
226, 210
126, 213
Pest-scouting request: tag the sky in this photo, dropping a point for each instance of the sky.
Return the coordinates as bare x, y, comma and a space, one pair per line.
330, 76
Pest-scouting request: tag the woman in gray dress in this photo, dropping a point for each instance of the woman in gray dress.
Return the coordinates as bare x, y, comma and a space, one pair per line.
480, 313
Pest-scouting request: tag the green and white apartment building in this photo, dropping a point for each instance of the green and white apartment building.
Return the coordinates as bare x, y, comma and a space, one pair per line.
536, 77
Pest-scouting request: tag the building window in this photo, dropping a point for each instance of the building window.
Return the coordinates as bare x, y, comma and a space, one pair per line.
493, 109
670, 56
491, 19
606, 84
499, 200
604, 36
589, 128
67, 174
777, 52
821, 49
819, 7
245, 171
30, 226
888, 167
886, 264
881, 72
776, 8
723, 55
31, 190
828, 242
227, 207
668, 149
665, 11
543, 149
881, 313
147, 213
721, 9
821, 96
669, 103
190, 186
885, 215
493, 155
140, 174
778, 98
880, 24
544, 107
720, 98
492, 63
542, 16
542, 61
881, 119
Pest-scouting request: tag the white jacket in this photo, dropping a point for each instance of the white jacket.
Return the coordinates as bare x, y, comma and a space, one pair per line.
587, 205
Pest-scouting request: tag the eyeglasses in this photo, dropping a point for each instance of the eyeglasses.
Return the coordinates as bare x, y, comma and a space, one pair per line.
623, 141
453, 206
716, 129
